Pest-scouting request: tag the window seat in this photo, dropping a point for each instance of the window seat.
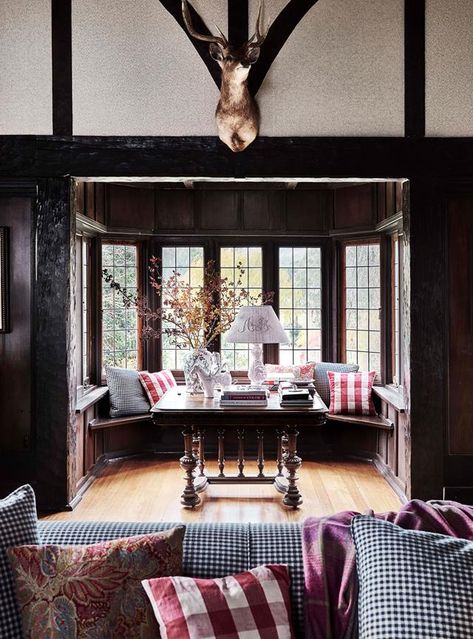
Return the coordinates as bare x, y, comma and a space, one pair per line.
374, 421
102, 423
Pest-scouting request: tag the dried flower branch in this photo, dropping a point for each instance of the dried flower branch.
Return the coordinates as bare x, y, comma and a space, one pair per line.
192, 317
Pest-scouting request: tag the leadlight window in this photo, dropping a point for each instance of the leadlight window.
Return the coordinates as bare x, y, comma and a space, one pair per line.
119, 324
396, 315
251, 260
188, 262
362, 305
300, 301
82, 311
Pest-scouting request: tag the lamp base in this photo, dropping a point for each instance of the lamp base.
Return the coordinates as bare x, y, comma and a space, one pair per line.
257, 371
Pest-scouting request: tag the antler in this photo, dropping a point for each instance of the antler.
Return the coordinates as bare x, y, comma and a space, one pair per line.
220, 40
252, 42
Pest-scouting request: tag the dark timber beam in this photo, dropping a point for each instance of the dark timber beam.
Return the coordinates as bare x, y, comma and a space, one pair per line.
43, 156
61, 43
278, 33
54, 333
414, 67
175, 9
237, 21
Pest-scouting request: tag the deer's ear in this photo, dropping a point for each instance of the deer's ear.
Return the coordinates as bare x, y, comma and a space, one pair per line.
215, 52
253, 54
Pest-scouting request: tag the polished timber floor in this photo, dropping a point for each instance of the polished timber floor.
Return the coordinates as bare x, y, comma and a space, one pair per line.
149, 490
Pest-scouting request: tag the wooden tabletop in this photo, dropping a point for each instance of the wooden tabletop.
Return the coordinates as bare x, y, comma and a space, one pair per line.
178, 400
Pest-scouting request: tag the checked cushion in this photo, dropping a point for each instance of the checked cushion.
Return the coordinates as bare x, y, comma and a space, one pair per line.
249, 605
18, 525
412, 584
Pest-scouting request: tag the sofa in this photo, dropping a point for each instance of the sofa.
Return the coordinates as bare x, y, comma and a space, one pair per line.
210, 549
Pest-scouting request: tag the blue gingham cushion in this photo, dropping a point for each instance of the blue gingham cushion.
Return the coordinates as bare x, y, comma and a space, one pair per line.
321, 382
210, 550
18, 526
281, 543
127, 395
412, 584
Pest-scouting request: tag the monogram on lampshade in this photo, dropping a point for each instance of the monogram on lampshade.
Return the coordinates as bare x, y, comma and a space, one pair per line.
257, 325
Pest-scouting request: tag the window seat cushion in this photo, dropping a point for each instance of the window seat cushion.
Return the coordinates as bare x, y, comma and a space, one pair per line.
127, 395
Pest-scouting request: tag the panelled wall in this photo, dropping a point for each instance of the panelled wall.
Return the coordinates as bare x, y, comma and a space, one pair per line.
261, 210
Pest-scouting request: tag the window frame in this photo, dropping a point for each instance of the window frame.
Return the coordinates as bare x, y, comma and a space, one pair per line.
139, 280
396, 237
342, 350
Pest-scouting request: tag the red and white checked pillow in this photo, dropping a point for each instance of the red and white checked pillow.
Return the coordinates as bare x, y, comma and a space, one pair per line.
156, 384
350, 393
251, 604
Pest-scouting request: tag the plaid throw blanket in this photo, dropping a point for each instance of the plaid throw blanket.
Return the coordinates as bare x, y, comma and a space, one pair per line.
329, 561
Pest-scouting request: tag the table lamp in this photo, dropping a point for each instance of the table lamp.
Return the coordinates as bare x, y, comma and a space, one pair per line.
257, 325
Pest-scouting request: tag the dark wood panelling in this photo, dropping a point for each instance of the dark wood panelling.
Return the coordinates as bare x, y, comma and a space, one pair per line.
354, 207
263, 210
132, 208
15, 345
100, 202
89, 193
308, 210
460, 305
54, 319
218, 210
174, 210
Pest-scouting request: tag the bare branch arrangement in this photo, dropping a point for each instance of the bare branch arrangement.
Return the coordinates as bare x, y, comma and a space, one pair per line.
191, 316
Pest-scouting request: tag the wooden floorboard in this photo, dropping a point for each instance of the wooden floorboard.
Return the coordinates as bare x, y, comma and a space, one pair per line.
149, 490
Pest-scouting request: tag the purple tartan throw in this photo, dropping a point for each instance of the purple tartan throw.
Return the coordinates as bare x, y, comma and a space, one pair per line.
331, 586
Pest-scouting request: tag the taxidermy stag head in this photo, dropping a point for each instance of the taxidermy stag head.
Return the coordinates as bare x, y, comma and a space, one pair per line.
237, 113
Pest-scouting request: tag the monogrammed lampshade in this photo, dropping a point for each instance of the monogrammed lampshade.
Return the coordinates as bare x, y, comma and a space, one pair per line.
257, 325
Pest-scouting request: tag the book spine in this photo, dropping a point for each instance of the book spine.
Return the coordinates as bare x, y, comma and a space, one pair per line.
240, 402
231, 396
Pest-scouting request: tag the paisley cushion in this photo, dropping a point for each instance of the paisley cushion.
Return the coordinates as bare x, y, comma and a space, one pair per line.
93, 591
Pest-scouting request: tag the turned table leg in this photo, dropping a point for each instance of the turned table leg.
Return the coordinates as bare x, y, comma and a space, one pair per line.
292, 463
279, 461
189, 497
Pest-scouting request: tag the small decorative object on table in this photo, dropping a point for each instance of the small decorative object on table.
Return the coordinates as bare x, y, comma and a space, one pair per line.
212, 375
290, 395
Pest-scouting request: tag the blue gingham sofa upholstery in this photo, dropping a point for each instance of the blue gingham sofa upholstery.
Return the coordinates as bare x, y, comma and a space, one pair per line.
210, 550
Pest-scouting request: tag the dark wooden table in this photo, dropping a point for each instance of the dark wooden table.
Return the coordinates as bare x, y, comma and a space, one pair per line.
198, 415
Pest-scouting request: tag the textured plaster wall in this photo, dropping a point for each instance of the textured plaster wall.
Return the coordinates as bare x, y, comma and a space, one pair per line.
25, 67
449, 67
340, 73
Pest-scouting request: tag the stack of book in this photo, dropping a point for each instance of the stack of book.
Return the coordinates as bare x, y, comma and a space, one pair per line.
240, 396
290, 397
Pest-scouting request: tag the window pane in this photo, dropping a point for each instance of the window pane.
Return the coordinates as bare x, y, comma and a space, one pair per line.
119, 325
396, 345
300, 297
188, 261
250, 258
362, 306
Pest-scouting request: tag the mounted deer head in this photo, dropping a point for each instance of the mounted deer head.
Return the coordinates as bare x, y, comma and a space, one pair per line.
237, 113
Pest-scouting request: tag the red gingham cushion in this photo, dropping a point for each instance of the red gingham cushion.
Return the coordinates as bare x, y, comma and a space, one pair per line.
350, 393
251, 604
156, 384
